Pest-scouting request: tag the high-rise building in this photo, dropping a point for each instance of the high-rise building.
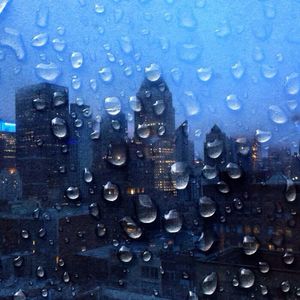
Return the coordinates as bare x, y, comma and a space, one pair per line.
7, 146
155, 129
43, 141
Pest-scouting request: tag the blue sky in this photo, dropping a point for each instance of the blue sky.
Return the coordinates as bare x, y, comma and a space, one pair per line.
234, 63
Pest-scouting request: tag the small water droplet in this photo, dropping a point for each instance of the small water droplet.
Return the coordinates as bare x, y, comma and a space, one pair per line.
204, 73
250, 245
180, 175
238, 70
173, 221
146, 210
110, 191
125, 254
207, 207
76, 60
246, 278
39, 40
209, 284
233, 102
153, 72
131, 228
277, 115
48, 71
59, 127
106, 74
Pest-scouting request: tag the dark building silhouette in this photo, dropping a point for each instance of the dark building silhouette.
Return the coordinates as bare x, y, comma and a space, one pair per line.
43, 141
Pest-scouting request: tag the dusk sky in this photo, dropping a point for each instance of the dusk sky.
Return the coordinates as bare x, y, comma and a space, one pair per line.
235, 63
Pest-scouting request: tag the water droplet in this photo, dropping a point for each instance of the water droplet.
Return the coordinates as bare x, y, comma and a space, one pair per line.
159, 107
44, 293
112, 105
94, 210
19, 295
223, 187
288, 258
277, 115
40, 272
192, 296
117, 154
223, 30
250, 245
238, 70
135, 104
246, 278
207, 207
176, 74
59, 45
131, 228
18, 261
180, 175
39, 104
145, 209
100, 230
66, 277
186, 19
263, 136
59, 127
143, 131
268, 71
106, 74
48, 71
146, 256
214, 149
205, 241
99, 8
76, 60
243, 146
125, 255
76, 82
292, 84
204, 74
258, 54
12, 38
263, 267
39, 40
3, 5
73, 193
233, 102
25, 234
209, 284
173, 221
110, 191
153, 72
126, 44
42, 15
87, 175
290, 192
188, 52
233, 170
191, 103
209, 172
285, 286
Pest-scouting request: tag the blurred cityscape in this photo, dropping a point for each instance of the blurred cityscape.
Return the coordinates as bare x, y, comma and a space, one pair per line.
90, 212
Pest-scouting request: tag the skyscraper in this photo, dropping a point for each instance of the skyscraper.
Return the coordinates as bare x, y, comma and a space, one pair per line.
155, 129
7, 146
42, 119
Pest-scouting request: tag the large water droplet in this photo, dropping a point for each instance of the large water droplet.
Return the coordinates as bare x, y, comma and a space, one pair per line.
48, 71
145, 209
112, 105
207, 207
173, 221
250, 244
106, 74
209, 172
76, 60
131, 228
288, 258
125, 254
153, 72
59, 127
215, 148
12, 38
205, 241
117, 154
233, 102
263, 136
146, 256
143, 131
238, 70
73, 193
19, 295
87, 175
204, 74
277, 115
180, 175
233, 170
59, 45
188, 52
209, 284
285, 286
135, 103
292, 84
268, 71
264, 267
110, 191
290, 192
246, 278
39, 40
